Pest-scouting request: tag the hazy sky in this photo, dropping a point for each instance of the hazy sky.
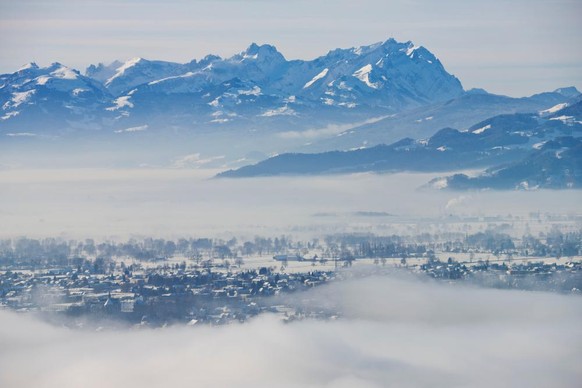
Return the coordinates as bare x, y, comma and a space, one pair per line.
514, 47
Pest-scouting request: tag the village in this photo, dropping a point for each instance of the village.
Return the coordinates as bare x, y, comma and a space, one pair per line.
213, 287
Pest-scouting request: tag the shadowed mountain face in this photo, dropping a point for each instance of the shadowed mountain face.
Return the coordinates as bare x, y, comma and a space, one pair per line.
503, 137
556, 165
461, 113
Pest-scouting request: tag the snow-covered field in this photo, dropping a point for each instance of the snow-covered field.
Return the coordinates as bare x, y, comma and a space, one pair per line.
292, 266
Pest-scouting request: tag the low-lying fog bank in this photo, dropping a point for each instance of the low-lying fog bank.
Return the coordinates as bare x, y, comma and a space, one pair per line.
179, 202
394, 333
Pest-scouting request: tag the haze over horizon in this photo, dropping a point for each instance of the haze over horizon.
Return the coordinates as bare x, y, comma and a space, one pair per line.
515, 48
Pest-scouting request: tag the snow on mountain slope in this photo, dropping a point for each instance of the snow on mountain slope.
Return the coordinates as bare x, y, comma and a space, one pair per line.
319, 76
259, 90
553, 109
363, 75
55, 77
102, 72
138, 71
388, 74
51, 94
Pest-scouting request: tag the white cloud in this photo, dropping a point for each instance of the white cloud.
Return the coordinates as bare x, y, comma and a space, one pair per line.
195, 160
133, 129
454, 202
399, 333
330, 130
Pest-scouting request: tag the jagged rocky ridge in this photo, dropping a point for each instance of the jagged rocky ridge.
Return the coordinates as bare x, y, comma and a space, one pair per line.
254, 86
237, 110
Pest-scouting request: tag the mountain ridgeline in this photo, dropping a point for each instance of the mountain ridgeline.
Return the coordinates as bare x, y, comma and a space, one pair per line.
385, 107
252, 88
526, 151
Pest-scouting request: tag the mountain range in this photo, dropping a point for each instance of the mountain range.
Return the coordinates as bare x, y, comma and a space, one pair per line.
539, 150
389, 106
555, 164
253, 88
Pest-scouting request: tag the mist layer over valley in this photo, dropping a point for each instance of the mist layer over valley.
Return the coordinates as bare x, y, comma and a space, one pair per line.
107, 203
396, 332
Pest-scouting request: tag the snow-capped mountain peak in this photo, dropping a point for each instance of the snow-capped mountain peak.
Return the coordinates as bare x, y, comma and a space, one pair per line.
60, 71
128, 64
138, 71
389, 76
102, 72
49, 94
30, 65
263, 55
120, 71
254, 51
362, 50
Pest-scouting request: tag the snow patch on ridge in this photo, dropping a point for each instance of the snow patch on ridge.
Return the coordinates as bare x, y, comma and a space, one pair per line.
9, 115
78, 91
185, 75
61, 72
249, 56
64, 73
30, 65
319, 76
282, 111
553, 109
121, 70
568, 120
482, 129
42, 80
411, 50
255, 91
363, 75
18, 98
121, 102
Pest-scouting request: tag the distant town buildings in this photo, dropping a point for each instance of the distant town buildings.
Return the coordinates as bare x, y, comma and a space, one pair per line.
203, 281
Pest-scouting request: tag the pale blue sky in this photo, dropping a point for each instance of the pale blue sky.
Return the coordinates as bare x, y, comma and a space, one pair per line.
514, 47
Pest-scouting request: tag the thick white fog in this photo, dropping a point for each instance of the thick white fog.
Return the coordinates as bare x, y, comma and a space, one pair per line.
181, 202
395, 333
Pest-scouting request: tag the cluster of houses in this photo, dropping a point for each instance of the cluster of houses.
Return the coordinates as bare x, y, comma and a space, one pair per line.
155, 296
564, 277
204, 295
